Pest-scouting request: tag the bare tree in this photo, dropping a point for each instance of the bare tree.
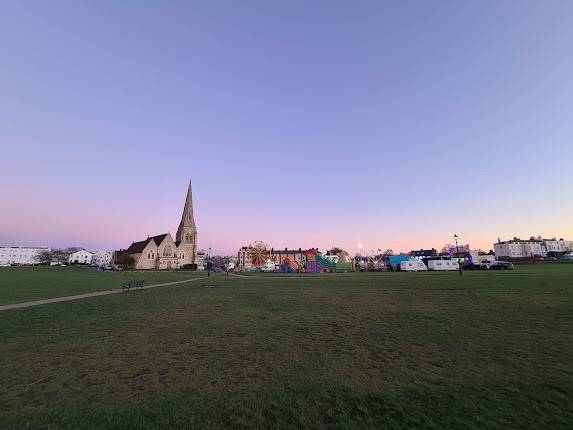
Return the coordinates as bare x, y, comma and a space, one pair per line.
219, 261
60, 256
446, 248
44, 257
123, 259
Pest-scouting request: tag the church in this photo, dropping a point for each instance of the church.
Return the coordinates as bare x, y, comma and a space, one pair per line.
162, 252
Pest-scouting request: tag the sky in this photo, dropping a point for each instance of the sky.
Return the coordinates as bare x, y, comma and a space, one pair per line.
393, 124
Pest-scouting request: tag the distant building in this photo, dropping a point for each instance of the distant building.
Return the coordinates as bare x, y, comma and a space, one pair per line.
80, 257
516, 248
24, 255
424, 253
201, 259
259, 254
278, 256
102, 258
557, 246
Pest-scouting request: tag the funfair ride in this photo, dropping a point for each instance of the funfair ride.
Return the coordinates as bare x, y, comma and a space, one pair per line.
259, 254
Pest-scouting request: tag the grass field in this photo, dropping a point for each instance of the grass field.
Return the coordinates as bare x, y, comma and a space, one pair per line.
21, 284
352, 351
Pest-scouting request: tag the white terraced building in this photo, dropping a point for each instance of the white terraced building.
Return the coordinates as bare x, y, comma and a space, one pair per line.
80, 257
24, 255
533, 247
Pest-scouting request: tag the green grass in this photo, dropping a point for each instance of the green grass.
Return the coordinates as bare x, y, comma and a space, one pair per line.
22, 284
350, 351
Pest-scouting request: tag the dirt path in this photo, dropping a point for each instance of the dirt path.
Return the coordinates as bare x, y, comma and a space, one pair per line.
87, 295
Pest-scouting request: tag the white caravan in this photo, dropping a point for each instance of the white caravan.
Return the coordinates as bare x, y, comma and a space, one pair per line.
443, 265
412, 266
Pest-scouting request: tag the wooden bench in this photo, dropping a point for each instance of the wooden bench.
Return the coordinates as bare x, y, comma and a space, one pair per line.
132, 284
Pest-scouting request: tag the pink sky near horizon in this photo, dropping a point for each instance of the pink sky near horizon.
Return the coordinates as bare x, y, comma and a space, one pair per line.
85, 223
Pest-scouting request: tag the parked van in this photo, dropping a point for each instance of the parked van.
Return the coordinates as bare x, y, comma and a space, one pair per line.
412, 266
268, 267
443, 265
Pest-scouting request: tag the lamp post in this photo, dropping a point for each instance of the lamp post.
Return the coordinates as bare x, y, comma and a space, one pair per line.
458, 254
209, 263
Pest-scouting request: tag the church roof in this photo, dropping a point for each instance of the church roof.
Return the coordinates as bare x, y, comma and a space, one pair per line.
138, 247
159, 238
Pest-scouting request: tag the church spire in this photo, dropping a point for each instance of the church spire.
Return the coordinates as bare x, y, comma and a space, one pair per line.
187, 219
187, 232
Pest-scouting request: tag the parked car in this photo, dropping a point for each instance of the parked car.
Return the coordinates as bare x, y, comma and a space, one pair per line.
501, 265
567, 258
474, 266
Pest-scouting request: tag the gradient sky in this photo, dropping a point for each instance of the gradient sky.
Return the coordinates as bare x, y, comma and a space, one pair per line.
389, 123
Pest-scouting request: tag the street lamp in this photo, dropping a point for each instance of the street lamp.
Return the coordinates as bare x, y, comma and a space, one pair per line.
209, 263
458, 254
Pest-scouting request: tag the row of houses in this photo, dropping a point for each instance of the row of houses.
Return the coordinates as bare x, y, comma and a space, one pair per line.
30, 255
520, 249
98, 258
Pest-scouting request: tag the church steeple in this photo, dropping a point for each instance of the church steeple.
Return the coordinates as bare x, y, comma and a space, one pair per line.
187, 231
187, 219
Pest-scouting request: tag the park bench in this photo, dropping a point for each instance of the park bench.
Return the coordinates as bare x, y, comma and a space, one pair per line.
132, 284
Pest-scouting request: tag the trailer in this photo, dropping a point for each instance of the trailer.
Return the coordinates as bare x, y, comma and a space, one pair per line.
443, 265
412, 266
393, 261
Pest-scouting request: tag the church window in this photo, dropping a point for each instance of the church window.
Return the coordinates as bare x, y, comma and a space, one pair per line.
167, 251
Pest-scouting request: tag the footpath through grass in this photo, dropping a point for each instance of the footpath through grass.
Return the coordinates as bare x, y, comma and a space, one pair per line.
23, 284
355, 351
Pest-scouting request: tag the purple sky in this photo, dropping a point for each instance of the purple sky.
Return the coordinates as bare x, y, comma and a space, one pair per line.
389, 123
